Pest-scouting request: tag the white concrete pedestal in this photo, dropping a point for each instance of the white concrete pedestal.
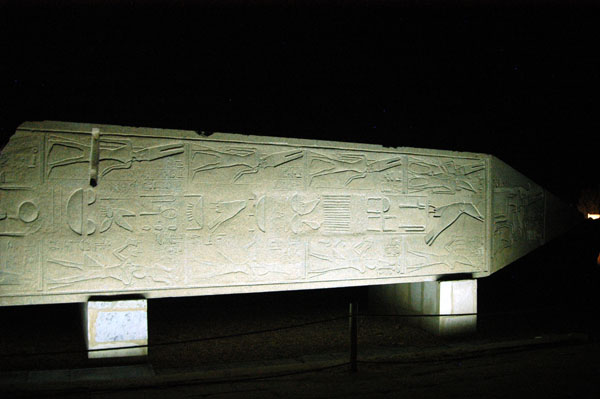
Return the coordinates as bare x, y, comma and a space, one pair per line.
116, 324
444, 298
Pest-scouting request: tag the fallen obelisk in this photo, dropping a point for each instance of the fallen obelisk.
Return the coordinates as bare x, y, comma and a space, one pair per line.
97, 210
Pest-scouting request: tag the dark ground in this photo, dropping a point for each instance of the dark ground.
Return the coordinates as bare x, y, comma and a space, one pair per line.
564, 371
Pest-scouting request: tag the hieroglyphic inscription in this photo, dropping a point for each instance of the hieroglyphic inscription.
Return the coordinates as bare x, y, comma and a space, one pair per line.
68, 152
517, 215
339, 167
444, 176
231, 164
20, 178
172, 214
21, 214
20, 269
337, 213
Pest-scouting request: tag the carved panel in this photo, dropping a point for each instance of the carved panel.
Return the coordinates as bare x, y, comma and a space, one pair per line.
518, 215
173, 213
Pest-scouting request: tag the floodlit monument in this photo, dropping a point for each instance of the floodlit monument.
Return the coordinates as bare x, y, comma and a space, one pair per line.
93, 211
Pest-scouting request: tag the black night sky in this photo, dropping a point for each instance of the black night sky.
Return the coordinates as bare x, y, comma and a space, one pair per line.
518, 82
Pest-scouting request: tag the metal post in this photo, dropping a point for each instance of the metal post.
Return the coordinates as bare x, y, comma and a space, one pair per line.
94, 157
353, 335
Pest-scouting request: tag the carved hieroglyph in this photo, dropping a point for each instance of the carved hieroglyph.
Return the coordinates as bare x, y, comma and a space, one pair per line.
91, 210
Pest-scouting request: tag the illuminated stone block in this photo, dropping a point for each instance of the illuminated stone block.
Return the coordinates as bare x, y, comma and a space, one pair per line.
454, 301
108, 210
113, 324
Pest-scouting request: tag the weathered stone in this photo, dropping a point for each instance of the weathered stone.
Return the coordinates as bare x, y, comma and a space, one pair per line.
102, 210
113, 324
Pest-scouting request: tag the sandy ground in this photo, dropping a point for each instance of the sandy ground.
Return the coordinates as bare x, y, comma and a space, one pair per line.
57, 330
556, 372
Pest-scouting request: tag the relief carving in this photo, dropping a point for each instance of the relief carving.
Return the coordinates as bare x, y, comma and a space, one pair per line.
20, 163
18, 219
450, 259
176, 214
337, 214
19, 265
333, 255
446, 216
115, 153
444, 176
378, 217
76, 212
225, 211
194, 211
243, 161
350, 166
302, 208
127, 270
518, 216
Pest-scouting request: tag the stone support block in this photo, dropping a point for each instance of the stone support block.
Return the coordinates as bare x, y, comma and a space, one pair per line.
454, 301
116, 324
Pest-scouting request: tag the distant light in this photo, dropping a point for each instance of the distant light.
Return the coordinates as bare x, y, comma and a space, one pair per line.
593, 216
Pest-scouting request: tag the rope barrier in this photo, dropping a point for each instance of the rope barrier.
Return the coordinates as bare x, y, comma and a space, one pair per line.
281, 328
478, 314
180, 342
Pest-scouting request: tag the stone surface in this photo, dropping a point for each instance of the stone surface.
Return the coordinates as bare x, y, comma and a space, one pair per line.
116, 324
103, 210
